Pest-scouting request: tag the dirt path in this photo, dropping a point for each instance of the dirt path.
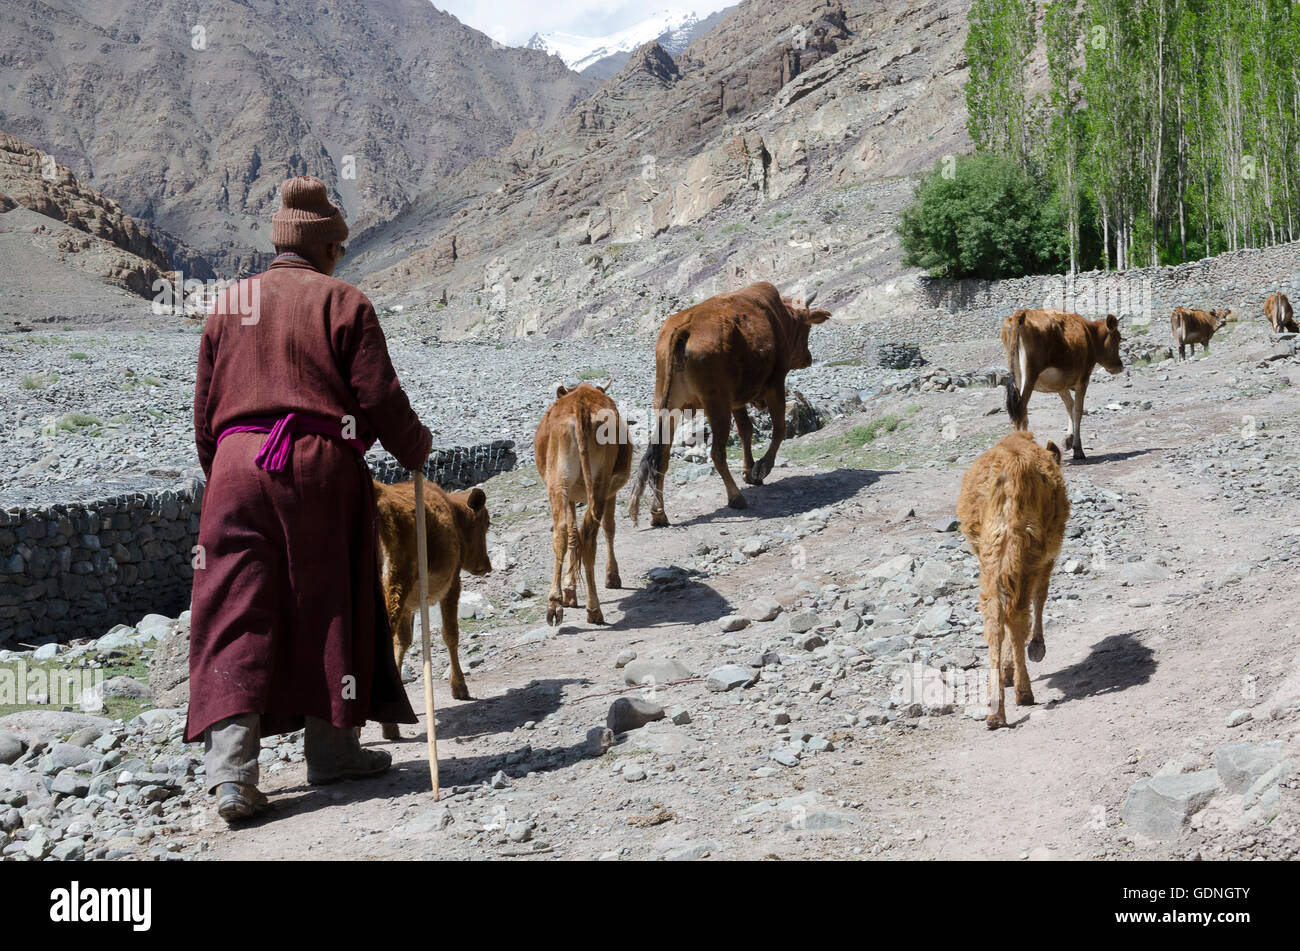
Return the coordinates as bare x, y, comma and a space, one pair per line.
1183, 537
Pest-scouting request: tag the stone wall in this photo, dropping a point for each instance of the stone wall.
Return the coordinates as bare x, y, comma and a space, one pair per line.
75, 569
1240, 280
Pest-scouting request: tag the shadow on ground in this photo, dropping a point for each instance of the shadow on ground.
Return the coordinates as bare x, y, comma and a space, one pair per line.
1113, 664
789, 496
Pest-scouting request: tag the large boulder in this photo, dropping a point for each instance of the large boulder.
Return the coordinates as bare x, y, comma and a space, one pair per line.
1158, 807
169, 671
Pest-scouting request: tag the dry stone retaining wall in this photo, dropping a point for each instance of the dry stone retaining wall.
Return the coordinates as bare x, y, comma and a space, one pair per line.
1240, 280
75, 569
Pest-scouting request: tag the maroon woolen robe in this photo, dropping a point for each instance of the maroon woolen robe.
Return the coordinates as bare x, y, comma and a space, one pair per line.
287, 617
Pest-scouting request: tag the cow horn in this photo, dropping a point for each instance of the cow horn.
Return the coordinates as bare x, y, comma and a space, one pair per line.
809, 299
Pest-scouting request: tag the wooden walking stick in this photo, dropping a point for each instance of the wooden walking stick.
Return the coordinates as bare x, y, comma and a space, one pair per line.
422, 564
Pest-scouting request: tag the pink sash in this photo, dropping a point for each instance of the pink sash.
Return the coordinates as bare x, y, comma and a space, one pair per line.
274, 454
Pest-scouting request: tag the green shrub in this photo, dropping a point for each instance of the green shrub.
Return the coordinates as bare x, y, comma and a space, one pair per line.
987, 219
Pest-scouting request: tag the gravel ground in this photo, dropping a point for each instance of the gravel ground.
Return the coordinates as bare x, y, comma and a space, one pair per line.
813, 660
82, 408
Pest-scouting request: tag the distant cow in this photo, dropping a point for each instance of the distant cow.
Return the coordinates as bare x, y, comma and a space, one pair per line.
1191, 327
457, 527
718, 357
583, 455
1013, 508
1054, 351
1278, 311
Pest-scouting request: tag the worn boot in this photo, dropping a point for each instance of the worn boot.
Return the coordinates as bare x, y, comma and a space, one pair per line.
335, 753
239, 802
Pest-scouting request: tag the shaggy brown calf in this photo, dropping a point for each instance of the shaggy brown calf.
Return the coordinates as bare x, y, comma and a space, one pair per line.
583, 455
718, 357
1013, 508
1054, 351
1280, 316
1191, 327
457, 527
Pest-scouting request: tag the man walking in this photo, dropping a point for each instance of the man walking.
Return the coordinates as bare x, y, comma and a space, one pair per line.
288, 628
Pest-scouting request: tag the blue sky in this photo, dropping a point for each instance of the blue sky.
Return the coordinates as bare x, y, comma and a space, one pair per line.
514, 21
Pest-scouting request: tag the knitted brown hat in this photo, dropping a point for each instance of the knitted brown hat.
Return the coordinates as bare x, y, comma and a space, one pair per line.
306, 216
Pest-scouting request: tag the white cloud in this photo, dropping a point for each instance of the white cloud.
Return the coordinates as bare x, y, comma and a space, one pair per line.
514, 21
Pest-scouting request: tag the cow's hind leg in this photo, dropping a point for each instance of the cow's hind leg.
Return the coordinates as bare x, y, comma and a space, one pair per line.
451, 637
720, 423
401, 643
587, 546
574, 563
745, 427
665, 423
1017, 636
560, 543
612, 577
997, 715
1068, 399
1037, 646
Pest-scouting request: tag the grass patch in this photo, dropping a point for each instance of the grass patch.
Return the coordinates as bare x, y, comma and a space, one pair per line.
131, 663
592, 373
71, 422
34, 381
78, 356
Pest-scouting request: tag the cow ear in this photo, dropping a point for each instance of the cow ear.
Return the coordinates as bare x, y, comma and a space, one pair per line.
1055, 450
560, 390
477, 499
818, 316
1112, 322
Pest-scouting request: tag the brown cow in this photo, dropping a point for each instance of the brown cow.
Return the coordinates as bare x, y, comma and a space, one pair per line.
718, 357
1054, 351
584, 455
1013, 508
1278, 311
457, 527
1191, 327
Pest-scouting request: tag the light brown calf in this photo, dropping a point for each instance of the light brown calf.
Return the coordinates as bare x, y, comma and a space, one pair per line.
718, 357
1280, 316
457, 527
583, 455
1191, 327
1054, 351
1013, 508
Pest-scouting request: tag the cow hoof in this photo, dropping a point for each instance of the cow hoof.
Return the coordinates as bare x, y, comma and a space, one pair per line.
1069, 440
658, 520
1037, 650
570, 598
1078, 455
1008, 676
995, 720
391, 732
762, 469
595, 617
751, 479
613, 581
554, 613
1026, 699
460, 691
738, 502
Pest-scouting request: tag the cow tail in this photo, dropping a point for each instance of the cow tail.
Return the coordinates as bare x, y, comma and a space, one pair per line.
1015, 400
654, 460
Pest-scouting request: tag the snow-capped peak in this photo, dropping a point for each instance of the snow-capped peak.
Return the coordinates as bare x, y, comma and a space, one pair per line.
674, 28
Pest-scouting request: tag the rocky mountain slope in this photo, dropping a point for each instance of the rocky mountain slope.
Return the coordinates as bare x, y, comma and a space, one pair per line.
191, 112
773, 148
56, 232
